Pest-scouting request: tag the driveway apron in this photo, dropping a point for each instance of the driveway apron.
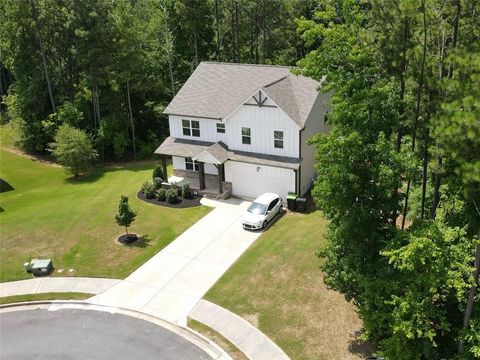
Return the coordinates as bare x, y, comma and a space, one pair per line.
171, 283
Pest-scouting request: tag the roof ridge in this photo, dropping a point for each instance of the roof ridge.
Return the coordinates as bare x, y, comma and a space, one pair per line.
243, 64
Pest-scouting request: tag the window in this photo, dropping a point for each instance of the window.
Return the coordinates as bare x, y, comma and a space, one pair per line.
278, 139
221, 128
191, 128
326, 118
246, 136
190, 164
273, 204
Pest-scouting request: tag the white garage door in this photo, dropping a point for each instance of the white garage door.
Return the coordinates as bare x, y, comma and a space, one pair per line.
249, 180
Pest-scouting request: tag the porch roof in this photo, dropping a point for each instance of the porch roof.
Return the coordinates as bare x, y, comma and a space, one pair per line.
218, 153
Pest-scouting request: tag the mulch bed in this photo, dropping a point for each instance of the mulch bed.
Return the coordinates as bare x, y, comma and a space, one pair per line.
127, 239
180, 204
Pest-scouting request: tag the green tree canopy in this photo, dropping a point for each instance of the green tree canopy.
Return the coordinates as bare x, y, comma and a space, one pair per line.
126, 215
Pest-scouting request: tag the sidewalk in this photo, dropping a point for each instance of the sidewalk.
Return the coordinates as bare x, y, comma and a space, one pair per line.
57, 284
171, 283
251, 341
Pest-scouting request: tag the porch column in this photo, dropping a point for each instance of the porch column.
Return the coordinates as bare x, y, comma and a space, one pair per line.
201, 175
164, 167
220, 178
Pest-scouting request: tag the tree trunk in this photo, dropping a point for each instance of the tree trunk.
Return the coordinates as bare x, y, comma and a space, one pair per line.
237, 27
424, 170
42, 52
471, 296
219, 58
131, 120
234, 47
169, 51
264, 32
417, 109
195, 48
126, 230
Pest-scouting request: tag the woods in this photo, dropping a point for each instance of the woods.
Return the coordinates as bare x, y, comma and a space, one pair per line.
402, 201
398, 175
110, 68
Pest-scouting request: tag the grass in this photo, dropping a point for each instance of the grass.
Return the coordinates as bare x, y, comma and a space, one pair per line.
45, 296
48, 215
217, 338
278, 287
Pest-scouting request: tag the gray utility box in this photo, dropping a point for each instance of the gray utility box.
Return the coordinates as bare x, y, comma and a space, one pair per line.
39, 267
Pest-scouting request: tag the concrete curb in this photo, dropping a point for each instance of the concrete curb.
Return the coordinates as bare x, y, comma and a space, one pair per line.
246, 337
212, 349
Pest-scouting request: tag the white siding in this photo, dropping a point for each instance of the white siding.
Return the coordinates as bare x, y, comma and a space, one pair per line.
248, 182
262, 121
179, 163
315, 124
208, 129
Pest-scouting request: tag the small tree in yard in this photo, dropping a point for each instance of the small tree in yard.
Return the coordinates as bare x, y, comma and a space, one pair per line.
73, 149
126, 215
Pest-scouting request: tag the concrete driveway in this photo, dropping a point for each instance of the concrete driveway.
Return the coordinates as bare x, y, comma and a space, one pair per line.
171, 283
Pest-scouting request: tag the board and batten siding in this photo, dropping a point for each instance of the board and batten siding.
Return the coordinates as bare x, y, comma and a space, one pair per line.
208, 129
262, 121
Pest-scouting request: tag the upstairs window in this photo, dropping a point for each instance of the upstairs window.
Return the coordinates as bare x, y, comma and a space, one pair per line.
246, 136
191, 128
278, 139
221, 128
190, 164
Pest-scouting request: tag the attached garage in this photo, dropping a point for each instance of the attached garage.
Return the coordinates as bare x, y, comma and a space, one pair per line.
251, 180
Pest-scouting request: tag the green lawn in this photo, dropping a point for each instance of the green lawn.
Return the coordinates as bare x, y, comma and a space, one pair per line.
71, 221
45, 296
277, 286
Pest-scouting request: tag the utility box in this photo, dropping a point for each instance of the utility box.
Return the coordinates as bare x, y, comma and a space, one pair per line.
291, 198
301, 204
39, 267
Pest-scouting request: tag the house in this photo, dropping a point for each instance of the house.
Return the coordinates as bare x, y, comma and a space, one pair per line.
243, 129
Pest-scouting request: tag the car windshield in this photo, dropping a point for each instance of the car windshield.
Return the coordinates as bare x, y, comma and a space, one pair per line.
256, 208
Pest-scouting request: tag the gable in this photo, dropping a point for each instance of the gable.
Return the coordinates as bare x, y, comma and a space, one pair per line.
259, 99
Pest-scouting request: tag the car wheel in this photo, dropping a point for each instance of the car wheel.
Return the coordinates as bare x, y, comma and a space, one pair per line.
264, 224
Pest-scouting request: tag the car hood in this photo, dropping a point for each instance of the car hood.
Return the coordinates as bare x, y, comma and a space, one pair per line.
252, 218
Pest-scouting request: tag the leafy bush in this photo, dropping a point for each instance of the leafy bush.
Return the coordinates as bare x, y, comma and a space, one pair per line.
148, 189
126, 215
158, 173
73, 149
186, 194
171, 195
157, 182
161, 194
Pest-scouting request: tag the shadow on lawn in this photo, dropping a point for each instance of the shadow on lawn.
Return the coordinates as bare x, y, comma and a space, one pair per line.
142, 242
360, 347
99, 171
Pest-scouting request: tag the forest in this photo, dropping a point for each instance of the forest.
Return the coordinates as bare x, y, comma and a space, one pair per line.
111, 67
398, 174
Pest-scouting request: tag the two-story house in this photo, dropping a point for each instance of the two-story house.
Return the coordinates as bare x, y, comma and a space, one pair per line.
245, 128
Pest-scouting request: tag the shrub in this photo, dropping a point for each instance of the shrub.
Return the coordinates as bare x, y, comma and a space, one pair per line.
186, 191
157, 183
161, 194
171, 195
73, 149
148, 189
158, 173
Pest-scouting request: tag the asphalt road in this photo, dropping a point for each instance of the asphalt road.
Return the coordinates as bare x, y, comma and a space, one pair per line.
83, 334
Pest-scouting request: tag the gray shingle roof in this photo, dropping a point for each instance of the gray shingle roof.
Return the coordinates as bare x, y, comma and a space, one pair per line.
191, 148
214, 90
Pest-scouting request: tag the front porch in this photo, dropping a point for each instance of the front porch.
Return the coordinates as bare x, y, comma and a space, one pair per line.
211, 187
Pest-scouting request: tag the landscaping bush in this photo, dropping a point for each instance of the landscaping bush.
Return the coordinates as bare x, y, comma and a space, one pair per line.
148, 189
171, 195
186, 194
161, 194
157, 182
158, 173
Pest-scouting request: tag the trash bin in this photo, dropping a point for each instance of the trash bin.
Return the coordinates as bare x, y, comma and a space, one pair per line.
301, 204
41, 267
291, 198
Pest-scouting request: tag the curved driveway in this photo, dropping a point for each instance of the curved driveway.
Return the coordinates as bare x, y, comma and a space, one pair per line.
83, 334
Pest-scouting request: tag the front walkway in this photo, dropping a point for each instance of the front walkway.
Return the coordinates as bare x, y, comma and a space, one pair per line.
57, 284
171, 283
